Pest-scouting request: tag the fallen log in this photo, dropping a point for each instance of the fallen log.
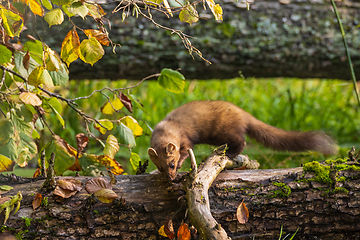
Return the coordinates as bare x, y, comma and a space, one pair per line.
319, 200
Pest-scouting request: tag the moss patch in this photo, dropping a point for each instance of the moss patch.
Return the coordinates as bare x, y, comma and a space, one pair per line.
321, 172
285, 190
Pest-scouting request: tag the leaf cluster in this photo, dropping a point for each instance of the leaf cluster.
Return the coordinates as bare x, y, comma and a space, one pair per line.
31, 72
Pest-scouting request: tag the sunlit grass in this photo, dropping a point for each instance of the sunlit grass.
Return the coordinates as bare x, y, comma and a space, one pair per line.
291, 104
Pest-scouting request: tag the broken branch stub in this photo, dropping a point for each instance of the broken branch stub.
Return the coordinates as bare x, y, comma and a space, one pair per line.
197, 186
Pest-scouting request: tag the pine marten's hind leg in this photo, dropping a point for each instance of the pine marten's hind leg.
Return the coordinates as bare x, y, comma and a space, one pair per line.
236, 146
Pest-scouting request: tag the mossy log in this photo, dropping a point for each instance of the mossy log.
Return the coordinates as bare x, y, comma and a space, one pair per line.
320, 208
299, 39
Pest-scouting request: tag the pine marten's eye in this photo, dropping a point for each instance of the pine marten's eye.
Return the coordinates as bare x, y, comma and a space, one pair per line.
172, 165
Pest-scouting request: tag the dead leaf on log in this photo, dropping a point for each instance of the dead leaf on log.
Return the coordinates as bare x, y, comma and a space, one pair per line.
169, 229
66, 188
242, 213
97, 184
106, 195
37, 201
183, 232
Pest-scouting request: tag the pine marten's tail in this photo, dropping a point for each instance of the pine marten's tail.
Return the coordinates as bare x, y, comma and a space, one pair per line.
281, 140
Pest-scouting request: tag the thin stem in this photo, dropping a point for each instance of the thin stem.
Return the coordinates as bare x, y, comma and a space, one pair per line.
347, 51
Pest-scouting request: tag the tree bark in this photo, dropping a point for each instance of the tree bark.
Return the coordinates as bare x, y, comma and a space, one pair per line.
278, 197
300, 39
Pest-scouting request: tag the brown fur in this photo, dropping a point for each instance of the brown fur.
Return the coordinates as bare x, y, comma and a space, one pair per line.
220, 122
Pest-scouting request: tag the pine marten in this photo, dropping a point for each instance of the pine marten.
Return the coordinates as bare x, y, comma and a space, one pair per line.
220, 122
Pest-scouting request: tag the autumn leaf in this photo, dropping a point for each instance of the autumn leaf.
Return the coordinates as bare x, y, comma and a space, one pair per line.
111, 146
109, 108
66, 188
106, 123
12, 22
26, 60
106, 195
35, 7
161, 231
54, 17
91, 51
183, 232
96, 184
189, 14
95, 10
6, 165
40, 76
99, 35
242, 213
37, 173
131, 123
82, 141
169, 229
30, 98
215, 9
116, 168
37, 201
126, 101
70, 47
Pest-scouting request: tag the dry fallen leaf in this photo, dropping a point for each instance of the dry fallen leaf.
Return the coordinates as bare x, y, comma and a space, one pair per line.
169, 229
37, 173
66, 188
37, 201
97, 184
183, 232
242, 213
106, 195
82, 140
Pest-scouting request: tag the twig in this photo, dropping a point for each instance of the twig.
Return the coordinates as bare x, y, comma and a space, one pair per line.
347, 51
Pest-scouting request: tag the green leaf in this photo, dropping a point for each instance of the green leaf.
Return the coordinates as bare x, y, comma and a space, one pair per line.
134, 160
5, 188
54, 17
126, 135
35, 48
47, 4
19, 57
111, 146
64, 154
57, 109
189, 15
5, 54
8, 146
60, 77
91, 50
40, 76
138, 104
171, 80
11, 22
62, 2
78, 8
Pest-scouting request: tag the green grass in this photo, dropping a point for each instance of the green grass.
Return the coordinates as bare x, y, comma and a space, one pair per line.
291, 104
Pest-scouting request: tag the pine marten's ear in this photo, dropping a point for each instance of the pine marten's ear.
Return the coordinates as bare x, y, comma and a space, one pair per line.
171, 148
152, 154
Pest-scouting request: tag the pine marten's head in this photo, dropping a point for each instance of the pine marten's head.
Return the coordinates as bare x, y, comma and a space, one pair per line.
166, 159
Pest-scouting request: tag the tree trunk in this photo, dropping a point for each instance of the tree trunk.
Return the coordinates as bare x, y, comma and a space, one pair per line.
299, 39
282, 197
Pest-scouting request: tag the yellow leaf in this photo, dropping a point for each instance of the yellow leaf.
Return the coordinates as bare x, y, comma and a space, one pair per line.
167, 6
109, 108
111, 146
35, 7
40, 76
106, 123
131, 123
106, 195
116, 168
162, 231
70, 48
6, 165
99, 35
91, 51
30, 98
215, 9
